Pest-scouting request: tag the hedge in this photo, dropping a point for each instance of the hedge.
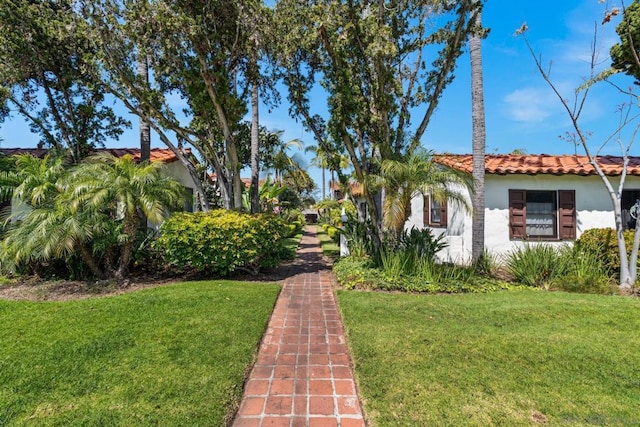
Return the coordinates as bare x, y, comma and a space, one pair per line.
220, 242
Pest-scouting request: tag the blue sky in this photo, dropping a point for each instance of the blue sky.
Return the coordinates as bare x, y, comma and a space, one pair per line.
521, 110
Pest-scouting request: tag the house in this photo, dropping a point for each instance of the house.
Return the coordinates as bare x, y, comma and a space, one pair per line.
173, 167
530, 198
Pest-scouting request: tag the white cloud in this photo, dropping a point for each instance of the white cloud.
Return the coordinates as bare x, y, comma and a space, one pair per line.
529, 105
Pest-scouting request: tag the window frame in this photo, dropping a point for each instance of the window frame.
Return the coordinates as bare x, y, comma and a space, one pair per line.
564, 221
427, 212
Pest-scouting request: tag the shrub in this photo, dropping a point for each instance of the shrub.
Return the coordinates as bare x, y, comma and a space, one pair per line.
428, 277
333, 233
422, 243
295, 221
534, 264
568, 268
603, 244
583, 273
220, 242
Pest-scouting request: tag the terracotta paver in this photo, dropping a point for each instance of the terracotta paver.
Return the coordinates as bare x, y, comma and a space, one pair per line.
303, 376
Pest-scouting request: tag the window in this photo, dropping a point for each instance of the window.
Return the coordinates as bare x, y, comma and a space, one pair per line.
434, 213
629, 199
542, 214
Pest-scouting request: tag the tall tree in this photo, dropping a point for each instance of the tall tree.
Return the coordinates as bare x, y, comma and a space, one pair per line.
371, 58
478, 139
626, 127
44, 77
144, 127
199, 53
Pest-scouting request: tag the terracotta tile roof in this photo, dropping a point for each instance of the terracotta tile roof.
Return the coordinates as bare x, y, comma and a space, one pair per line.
164, 155
532, 164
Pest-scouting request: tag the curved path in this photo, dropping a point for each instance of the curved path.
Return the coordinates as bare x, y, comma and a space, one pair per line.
303, 376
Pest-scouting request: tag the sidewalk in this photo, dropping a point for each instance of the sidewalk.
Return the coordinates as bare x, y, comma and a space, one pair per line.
302, 376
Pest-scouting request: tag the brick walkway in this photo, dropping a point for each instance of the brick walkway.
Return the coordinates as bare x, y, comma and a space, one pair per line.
302, 376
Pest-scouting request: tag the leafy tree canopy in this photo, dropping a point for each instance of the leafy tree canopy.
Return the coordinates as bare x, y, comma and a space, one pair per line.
44, 77
625, 55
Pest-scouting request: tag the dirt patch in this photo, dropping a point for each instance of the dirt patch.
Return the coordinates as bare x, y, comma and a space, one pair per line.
37, 289
44, 290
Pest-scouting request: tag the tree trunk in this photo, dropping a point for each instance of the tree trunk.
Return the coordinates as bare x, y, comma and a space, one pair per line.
324, 184
255, 151
129, 229
478, 142
145, 129
87, 257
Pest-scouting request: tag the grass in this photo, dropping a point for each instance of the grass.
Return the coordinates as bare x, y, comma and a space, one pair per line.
290, 246
329, 247
507, 358
172, 355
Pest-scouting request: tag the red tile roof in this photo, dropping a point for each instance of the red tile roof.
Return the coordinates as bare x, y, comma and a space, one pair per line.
164, 155
532, 164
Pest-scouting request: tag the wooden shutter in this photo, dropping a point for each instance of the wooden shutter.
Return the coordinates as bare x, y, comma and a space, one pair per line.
567, 214
517, 214
443, 213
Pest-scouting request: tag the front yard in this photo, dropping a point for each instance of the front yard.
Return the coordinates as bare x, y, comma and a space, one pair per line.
503, 358
171, 355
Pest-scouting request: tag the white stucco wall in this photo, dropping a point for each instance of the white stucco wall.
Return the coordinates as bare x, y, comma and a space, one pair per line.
593, 210
179, 172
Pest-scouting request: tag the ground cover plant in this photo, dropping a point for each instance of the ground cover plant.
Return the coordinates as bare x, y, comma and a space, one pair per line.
170, 355
329, 247
504, 358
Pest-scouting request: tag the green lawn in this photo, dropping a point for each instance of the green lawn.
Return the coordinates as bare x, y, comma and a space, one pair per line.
329, 247
505, 358
172, 355
290, 246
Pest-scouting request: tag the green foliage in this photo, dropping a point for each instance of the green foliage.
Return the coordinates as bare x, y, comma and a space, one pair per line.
86, 217
295, 221
402, 272
533, 264
337, 44
44, 49
603, 244
220, 242
329, 247
568, 268
624, 53
422, 243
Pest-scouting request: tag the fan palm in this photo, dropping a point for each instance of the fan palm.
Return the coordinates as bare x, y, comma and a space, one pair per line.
417, 174
129, 191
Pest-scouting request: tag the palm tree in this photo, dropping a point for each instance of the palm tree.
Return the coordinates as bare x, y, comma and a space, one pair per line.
417, 174
321, 161
45, 227
478, 142
130, 192
325, 160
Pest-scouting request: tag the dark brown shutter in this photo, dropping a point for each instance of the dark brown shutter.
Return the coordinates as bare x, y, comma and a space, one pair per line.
443, 213
567, 214
425, 211
517, 214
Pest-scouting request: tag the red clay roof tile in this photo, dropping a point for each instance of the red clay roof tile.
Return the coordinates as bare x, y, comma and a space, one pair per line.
164, 155
532, 164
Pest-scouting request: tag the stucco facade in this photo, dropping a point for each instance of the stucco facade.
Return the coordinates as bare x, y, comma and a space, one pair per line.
593, 209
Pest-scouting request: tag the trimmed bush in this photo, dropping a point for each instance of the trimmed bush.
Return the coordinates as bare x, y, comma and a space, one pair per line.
602, 243
220, 242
